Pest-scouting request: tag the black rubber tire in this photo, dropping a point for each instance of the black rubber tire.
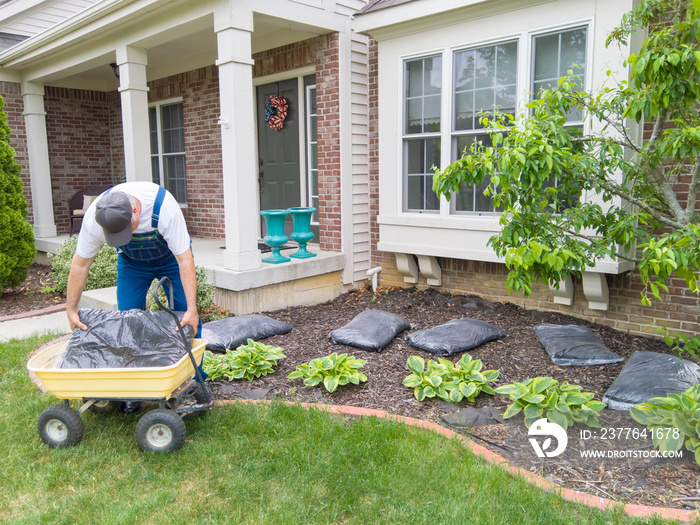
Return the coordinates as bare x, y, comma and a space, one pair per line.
197, 398
103, 407
160, 430
60, 426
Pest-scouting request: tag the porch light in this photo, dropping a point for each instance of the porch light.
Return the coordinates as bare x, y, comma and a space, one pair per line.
115, 69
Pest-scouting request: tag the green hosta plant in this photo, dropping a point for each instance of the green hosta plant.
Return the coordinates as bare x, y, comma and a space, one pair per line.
544, 397
333, 371
674, 420
249, 361
447, 381
426, 381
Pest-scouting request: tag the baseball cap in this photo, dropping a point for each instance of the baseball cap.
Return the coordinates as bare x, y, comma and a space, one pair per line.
113, 213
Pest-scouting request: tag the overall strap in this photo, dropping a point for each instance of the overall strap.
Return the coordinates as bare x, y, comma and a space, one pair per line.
156, 208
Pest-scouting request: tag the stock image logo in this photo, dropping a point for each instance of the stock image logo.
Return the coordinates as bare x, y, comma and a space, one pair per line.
542, 428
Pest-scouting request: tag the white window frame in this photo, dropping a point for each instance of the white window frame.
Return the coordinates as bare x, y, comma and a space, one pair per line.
424, 135
524, 82
311, 198
159, 127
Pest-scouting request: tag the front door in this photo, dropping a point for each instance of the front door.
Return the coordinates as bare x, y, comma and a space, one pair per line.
279, 173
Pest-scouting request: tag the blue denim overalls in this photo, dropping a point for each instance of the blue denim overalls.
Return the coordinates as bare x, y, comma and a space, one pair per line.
144, 258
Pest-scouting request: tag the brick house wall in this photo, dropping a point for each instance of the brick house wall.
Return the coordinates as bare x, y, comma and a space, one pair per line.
116, 149
199, 91
327, 94
678, 311
79, 137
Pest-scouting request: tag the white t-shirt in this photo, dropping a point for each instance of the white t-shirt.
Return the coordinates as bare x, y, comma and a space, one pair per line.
171, 224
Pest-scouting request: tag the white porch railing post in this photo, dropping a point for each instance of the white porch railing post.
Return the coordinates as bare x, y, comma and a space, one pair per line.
240, 184
38, 156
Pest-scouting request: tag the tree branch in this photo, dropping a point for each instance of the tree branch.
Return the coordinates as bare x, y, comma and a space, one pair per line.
658, 126
591, 239
616, 125
616, 189
692, 193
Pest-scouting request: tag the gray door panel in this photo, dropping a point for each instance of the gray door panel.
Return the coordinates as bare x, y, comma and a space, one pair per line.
279, 163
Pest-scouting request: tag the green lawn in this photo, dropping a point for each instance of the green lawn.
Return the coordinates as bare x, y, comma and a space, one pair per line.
271, 464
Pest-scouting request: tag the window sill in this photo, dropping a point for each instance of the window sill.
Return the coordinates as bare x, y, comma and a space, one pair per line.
463, 237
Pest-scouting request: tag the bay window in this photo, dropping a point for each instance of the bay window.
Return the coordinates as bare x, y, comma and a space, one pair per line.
482, 79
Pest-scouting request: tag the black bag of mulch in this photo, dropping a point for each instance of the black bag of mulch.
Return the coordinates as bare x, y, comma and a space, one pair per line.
125, 339
458, 335
232, 332
371, 330
573, 345
650, 374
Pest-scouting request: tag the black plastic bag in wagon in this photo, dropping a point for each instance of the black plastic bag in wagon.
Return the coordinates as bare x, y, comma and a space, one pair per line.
125, 339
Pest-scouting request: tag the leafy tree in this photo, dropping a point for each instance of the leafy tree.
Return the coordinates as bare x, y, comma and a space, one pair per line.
644, 208
16, 236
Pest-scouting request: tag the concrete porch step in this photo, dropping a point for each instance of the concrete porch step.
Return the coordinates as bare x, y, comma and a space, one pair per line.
101, 299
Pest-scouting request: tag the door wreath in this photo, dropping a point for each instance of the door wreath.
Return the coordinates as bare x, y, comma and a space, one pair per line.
276, 109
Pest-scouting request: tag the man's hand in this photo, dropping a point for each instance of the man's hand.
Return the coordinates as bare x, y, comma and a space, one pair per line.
74, 320
190, 318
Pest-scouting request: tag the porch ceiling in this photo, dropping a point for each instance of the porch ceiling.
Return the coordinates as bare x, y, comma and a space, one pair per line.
85, 63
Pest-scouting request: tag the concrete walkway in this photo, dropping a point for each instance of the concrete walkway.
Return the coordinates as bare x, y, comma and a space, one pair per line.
42, 324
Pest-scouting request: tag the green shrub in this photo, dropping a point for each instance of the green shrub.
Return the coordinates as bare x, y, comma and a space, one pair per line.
447, 381
248, 361
333, 370
17, 248
674, 420
682, 344
103, 272
205, 293
543, 397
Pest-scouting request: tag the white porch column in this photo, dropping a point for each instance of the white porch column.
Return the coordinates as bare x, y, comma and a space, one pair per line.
238, 139
132, 63
38, 153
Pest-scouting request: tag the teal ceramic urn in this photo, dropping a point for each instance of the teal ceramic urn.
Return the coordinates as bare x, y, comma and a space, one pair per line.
275, 238
302, 234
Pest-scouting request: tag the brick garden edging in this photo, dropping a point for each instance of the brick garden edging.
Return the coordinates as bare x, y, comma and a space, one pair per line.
35, 313
638, 511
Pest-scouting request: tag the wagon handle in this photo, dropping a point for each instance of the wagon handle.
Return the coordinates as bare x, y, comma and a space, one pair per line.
188, 344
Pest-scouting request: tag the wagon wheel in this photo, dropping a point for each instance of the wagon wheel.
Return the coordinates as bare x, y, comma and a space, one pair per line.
103, 406
60, 426
160, 430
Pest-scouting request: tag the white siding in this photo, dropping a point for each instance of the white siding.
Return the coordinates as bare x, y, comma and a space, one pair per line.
37, 18
349, 7
360, 156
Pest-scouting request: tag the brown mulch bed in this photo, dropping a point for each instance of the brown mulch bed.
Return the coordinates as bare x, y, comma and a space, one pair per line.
33, 294
635, 478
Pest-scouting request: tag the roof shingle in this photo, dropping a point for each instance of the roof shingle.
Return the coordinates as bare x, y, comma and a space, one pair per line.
375, 5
